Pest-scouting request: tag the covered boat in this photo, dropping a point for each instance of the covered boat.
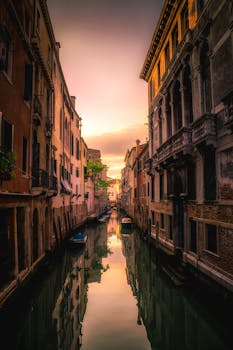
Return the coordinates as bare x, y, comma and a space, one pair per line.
126, 225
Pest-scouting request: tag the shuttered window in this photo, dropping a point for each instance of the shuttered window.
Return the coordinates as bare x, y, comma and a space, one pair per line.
28, 82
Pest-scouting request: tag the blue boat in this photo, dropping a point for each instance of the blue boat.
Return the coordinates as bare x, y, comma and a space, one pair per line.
78, 238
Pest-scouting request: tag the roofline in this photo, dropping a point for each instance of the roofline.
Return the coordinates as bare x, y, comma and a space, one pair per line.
165, 13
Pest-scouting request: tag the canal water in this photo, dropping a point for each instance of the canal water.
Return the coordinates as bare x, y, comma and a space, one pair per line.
111, 295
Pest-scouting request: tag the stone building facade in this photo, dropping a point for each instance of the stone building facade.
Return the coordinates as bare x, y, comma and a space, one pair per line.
16, 59
43, 199
128, 182
189, 72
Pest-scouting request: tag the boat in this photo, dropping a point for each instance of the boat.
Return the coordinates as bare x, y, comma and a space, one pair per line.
78, 238
126, 225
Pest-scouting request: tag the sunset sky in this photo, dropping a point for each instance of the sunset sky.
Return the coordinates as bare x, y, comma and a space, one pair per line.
103, 47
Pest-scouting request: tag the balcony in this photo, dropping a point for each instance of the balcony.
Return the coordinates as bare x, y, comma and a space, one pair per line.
204, 130
40, 181
180, 143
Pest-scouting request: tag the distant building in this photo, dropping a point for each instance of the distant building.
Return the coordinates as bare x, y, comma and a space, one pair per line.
100, 195
113, 190
189, 72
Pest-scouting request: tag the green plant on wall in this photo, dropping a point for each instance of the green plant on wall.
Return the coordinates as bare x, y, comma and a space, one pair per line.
7, 165
94, 167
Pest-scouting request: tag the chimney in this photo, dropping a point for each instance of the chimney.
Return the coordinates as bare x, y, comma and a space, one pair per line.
73, 99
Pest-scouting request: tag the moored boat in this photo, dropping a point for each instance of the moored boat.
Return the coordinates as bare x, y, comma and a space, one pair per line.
126, 225
78, 238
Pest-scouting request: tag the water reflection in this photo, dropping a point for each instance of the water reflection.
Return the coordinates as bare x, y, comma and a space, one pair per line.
172, 318
111, 295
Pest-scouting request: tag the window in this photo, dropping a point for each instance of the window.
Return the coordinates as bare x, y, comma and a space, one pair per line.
205, 79
174, 39
159, 73
28, 82
24, 156
153, 218
209, 174
77, 172
168, 114
170, 227
77, 149
162, 220
160, 127
161, 186
5, 51
148, 189
72, 144
177, 110
55, 166
151, 87
76, 189
6, 135
38, 21
71, 169
152, 188
211, 238
192, 236
191, 171
167, 55
184, 20
169, 183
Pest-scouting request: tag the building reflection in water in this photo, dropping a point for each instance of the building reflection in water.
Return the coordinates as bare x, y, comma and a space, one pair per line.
53, 318
71, 305
173, 320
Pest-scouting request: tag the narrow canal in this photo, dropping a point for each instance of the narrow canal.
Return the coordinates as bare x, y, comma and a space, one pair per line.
111, 295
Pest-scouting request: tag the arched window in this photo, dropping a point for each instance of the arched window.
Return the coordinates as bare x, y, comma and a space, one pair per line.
188, 98
168, 115
205, 79
160, 121
177, 106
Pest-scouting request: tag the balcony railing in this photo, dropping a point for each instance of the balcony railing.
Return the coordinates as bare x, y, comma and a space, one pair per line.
204, 130
40, 178
181, 142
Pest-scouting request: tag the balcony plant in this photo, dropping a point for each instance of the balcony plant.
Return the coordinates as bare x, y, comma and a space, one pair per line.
7, 165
